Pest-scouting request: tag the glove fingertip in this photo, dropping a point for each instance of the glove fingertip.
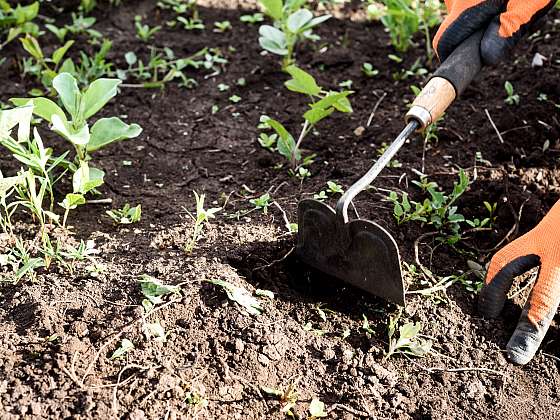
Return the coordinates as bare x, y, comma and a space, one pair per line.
524, 343
493, 47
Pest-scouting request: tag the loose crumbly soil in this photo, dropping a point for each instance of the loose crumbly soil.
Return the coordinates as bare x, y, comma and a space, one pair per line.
213, 349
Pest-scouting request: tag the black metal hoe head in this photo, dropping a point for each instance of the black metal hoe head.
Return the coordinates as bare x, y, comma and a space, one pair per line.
359, 252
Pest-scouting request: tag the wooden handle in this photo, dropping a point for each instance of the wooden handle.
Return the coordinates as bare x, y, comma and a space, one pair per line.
432, 102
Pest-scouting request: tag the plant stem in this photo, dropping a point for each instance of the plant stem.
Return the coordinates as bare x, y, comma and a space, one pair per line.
306, 128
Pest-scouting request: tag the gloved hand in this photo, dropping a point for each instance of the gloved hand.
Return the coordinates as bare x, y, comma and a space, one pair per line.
540, 246
504, 21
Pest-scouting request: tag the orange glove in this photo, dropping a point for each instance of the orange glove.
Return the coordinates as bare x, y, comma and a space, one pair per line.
539, 247
504, 22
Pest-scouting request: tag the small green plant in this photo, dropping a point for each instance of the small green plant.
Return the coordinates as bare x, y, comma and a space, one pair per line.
369, 70
332, 189
287, 397
322, 104
512, 97
202, 216
404, 18
154, 291
18, 20
126, 215
252, 19
191, 24
408, 340
292, 23
144, 32
261, 203
125, 346
438, 209
222, 26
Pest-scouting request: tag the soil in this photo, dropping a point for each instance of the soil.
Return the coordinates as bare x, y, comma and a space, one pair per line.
57, 332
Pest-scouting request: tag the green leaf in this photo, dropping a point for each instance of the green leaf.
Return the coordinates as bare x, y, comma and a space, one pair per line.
409, 330
6, 184
273, 8
108, 130
71, 201
125, 347
286, 143
153, 289
332, 99
59, 53
43, 107
31, 45
297, 20
62, 127
86, 179
313, 116
273, 40
67, 88
316, 21
240, 296
302, 82
98, 94
20, 116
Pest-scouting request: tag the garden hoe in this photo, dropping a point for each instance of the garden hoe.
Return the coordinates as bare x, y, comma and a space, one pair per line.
360, 252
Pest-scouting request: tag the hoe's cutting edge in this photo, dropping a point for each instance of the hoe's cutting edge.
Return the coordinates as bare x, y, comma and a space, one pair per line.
360, 252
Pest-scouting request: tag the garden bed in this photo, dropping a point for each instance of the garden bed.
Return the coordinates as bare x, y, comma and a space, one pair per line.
58, 332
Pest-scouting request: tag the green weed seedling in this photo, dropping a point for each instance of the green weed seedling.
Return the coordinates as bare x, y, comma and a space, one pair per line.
154, 291
287, 397
143, 31
322, 104
404, 18
292, 23
202, 216
512, 97
241, 296
126, 215
178, 6
18, 20
191, 24
223, 26
125, 346
261, 203
408, 341
332, 189
252, 19
369, 70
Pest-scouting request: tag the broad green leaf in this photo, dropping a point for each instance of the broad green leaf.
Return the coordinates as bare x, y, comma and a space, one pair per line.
125, 347
301, 82
240, 296
98, 94
59, 53
108, 130
20, 116
86, 179
62, 127
67, 88
286, 143
409, 330
313, 116
272, 47
273, 8
332, 99
316, 21
43, 107
71, 201
273, 39
297, 21
153, 289
68, 66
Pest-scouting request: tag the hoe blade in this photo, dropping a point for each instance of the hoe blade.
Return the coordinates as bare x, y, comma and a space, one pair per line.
359, 252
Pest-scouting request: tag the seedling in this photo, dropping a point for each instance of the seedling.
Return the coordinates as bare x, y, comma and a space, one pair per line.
512, 98
154, 291
202, 216
332, 189
19, 20
369, 70
323, 104
234, 99
292, 23
144, 32
191, 24
408, 341
393, 163
222, 26
126, 215
252, 19
125, 346
261, 203
240, 296
288, 397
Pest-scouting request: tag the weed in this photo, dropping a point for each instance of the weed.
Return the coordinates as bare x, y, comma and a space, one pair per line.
202, 216
126, 215
261, 203
252, 19
288, 397
240, 296
512, 98
19, 20
369, 70
408, 340
322, 104
332, 189
292, 23
222, 26
125, 346
144, 32
154, 290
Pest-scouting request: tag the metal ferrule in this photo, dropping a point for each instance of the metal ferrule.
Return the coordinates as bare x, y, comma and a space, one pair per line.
420, 115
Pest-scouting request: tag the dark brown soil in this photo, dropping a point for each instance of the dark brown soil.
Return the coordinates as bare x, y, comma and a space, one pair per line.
215, 351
